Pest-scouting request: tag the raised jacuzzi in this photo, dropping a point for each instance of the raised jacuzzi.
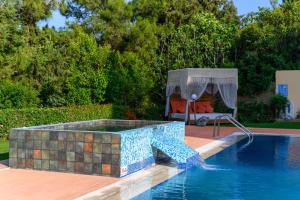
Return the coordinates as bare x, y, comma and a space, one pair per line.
101, 147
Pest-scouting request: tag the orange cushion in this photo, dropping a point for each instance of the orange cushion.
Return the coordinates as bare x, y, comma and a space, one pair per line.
178, 106
173, 105
200, 108
208, 107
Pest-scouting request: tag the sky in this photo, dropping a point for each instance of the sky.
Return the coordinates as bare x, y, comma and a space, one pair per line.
243, 6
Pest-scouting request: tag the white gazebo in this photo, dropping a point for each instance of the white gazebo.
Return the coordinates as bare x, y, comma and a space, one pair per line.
195, 81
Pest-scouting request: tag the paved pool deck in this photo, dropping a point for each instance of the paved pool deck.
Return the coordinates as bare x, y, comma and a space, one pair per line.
29, 184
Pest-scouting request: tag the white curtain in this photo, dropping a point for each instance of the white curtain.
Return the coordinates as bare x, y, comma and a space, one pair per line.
212, 89
169, 91
196, 86
228, 93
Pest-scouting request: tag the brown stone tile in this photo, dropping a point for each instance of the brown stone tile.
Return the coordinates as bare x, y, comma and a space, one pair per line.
88, 147
79, 147
45, 135
13, 153
97, 168
37, 135
13, 143
62, 136
37, 154
37, 164
53, 145
21, 163
98, 137
115, 170
97, 158
97, 147
29, 154
79, 137
71, 156
115, 159
115, 139
89, 137
53, 165
29, 163
106, 148
71, 166
106, 158
53, 135
88, 168
45, 144
37, 144
106, 138
13, 162
62, 165
21, 135
62, 156
62, 145
115, 148
29, 135
79, 167
45, 154
21, 144
71, 146
79, 157
53, 155
70, 136
106, 169
45, 164
21, 153
88, 157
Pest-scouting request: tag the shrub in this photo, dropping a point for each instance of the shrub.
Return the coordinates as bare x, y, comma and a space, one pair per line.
17, 95
278, 103
254, 111
13, 118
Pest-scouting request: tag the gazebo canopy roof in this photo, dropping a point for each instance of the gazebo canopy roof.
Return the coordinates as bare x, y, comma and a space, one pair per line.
183, 77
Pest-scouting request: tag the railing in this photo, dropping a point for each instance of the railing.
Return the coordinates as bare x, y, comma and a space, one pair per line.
237, 124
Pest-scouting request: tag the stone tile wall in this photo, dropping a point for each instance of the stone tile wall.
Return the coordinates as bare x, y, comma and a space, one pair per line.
66, 151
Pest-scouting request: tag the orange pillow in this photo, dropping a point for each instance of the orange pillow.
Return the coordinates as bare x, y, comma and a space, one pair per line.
200, 107
178, 106
208, 107
173, 105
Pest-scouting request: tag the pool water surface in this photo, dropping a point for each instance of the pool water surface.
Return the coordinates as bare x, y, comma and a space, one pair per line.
267, 169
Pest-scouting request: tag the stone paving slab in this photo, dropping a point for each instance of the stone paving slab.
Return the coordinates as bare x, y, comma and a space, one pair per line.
19, 184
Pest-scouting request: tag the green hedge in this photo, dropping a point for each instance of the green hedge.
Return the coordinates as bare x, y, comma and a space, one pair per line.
13, 118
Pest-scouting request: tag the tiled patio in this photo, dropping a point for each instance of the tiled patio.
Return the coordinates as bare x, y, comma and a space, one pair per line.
29, 184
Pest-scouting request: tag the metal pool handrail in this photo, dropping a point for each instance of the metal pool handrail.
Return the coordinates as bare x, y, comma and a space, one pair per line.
235, 123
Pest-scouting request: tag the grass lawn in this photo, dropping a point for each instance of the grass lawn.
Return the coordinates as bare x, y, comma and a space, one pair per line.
283, 125
3, 150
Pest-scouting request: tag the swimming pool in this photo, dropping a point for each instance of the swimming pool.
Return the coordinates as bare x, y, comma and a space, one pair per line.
267, 169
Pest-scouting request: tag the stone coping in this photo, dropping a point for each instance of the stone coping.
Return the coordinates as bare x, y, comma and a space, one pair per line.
91, 123
137, 183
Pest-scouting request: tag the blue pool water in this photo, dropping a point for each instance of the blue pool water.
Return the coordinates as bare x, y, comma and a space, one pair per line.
267, 169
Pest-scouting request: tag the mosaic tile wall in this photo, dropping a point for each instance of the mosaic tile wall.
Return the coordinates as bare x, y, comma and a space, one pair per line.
136, 142
139, 142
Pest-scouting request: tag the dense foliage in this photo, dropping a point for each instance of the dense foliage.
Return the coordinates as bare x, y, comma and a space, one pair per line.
11, 118
118, 51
